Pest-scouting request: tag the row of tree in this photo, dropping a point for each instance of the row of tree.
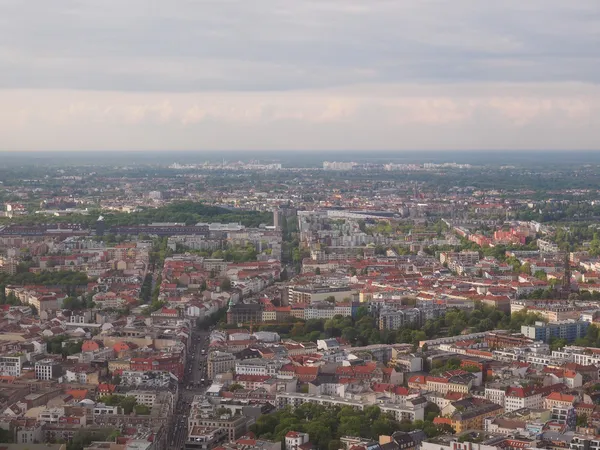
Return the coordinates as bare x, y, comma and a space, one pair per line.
67, 279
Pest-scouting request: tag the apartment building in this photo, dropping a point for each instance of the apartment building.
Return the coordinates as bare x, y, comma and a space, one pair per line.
570, 330
147, 398
257, 366
11, 365
47, 369
522, 397
219, 362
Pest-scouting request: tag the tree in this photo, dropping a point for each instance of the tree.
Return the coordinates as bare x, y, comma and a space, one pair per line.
141, 410
556, 344
6, 436
318, 271
72, 303
582, 420
128, 403
540, 275
361, 312
225, 284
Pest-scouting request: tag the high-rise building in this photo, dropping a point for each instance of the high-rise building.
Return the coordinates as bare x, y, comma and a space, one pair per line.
277, 218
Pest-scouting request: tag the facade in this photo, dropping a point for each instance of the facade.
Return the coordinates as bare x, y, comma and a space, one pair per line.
522, 397
219, 362
11, 365
472, 418
495, 394
570, 330
325, 310
147, 398
312, 294
294, 439
257, 366
47, 369
244, 313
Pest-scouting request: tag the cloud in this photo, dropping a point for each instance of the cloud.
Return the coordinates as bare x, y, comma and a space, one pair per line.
273, 45
314, 74
391, 116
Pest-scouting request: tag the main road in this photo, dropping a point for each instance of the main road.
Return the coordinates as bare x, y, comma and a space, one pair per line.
194, 382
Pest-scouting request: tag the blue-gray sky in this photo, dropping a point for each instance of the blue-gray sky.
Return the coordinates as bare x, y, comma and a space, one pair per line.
299, 74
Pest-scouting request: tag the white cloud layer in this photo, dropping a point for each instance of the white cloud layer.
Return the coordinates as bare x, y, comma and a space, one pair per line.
299, 74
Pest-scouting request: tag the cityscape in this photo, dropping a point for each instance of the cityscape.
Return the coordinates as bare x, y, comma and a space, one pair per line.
299, 225
258, 304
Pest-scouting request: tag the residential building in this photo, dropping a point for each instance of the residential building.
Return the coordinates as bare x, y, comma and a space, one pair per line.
47, 369
295, 439
569, 330
11, 365
219, 362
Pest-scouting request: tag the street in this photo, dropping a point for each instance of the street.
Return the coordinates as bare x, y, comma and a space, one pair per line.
194, 383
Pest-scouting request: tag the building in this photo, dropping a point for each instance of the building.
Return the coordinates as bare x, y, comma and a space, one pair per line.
277, 219
11, 365
395, 319
326, 310
234, 426
205, 438
585, 442
522, 397
294, 439
47, 369
257, 366
168, 363
505, 340
412, 410
219, 362
147, 398
312, 294
495, 394
569, 330
244, 313
472, 415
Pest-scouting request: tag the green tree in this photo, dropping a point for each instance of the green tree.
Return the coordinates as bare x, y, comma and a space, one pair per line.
582, 420
225, 284
141, 410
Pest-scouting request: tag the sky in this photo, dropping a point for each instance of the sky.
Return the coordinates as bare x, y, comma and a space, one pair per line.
299, 75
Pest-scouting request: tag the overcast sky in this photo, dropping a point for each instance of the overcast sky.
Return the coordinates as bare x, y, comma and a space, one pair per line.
299, 74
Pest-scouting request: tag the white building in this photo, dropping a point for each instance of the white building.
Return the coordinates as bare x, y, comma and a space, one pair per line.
495, 394
11, 365
522, 397
146, 398
256, 366
294, 439
47, 369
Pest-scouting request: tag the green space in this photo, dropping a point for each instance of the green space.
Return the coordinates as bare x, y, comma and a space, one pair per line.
326, 425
